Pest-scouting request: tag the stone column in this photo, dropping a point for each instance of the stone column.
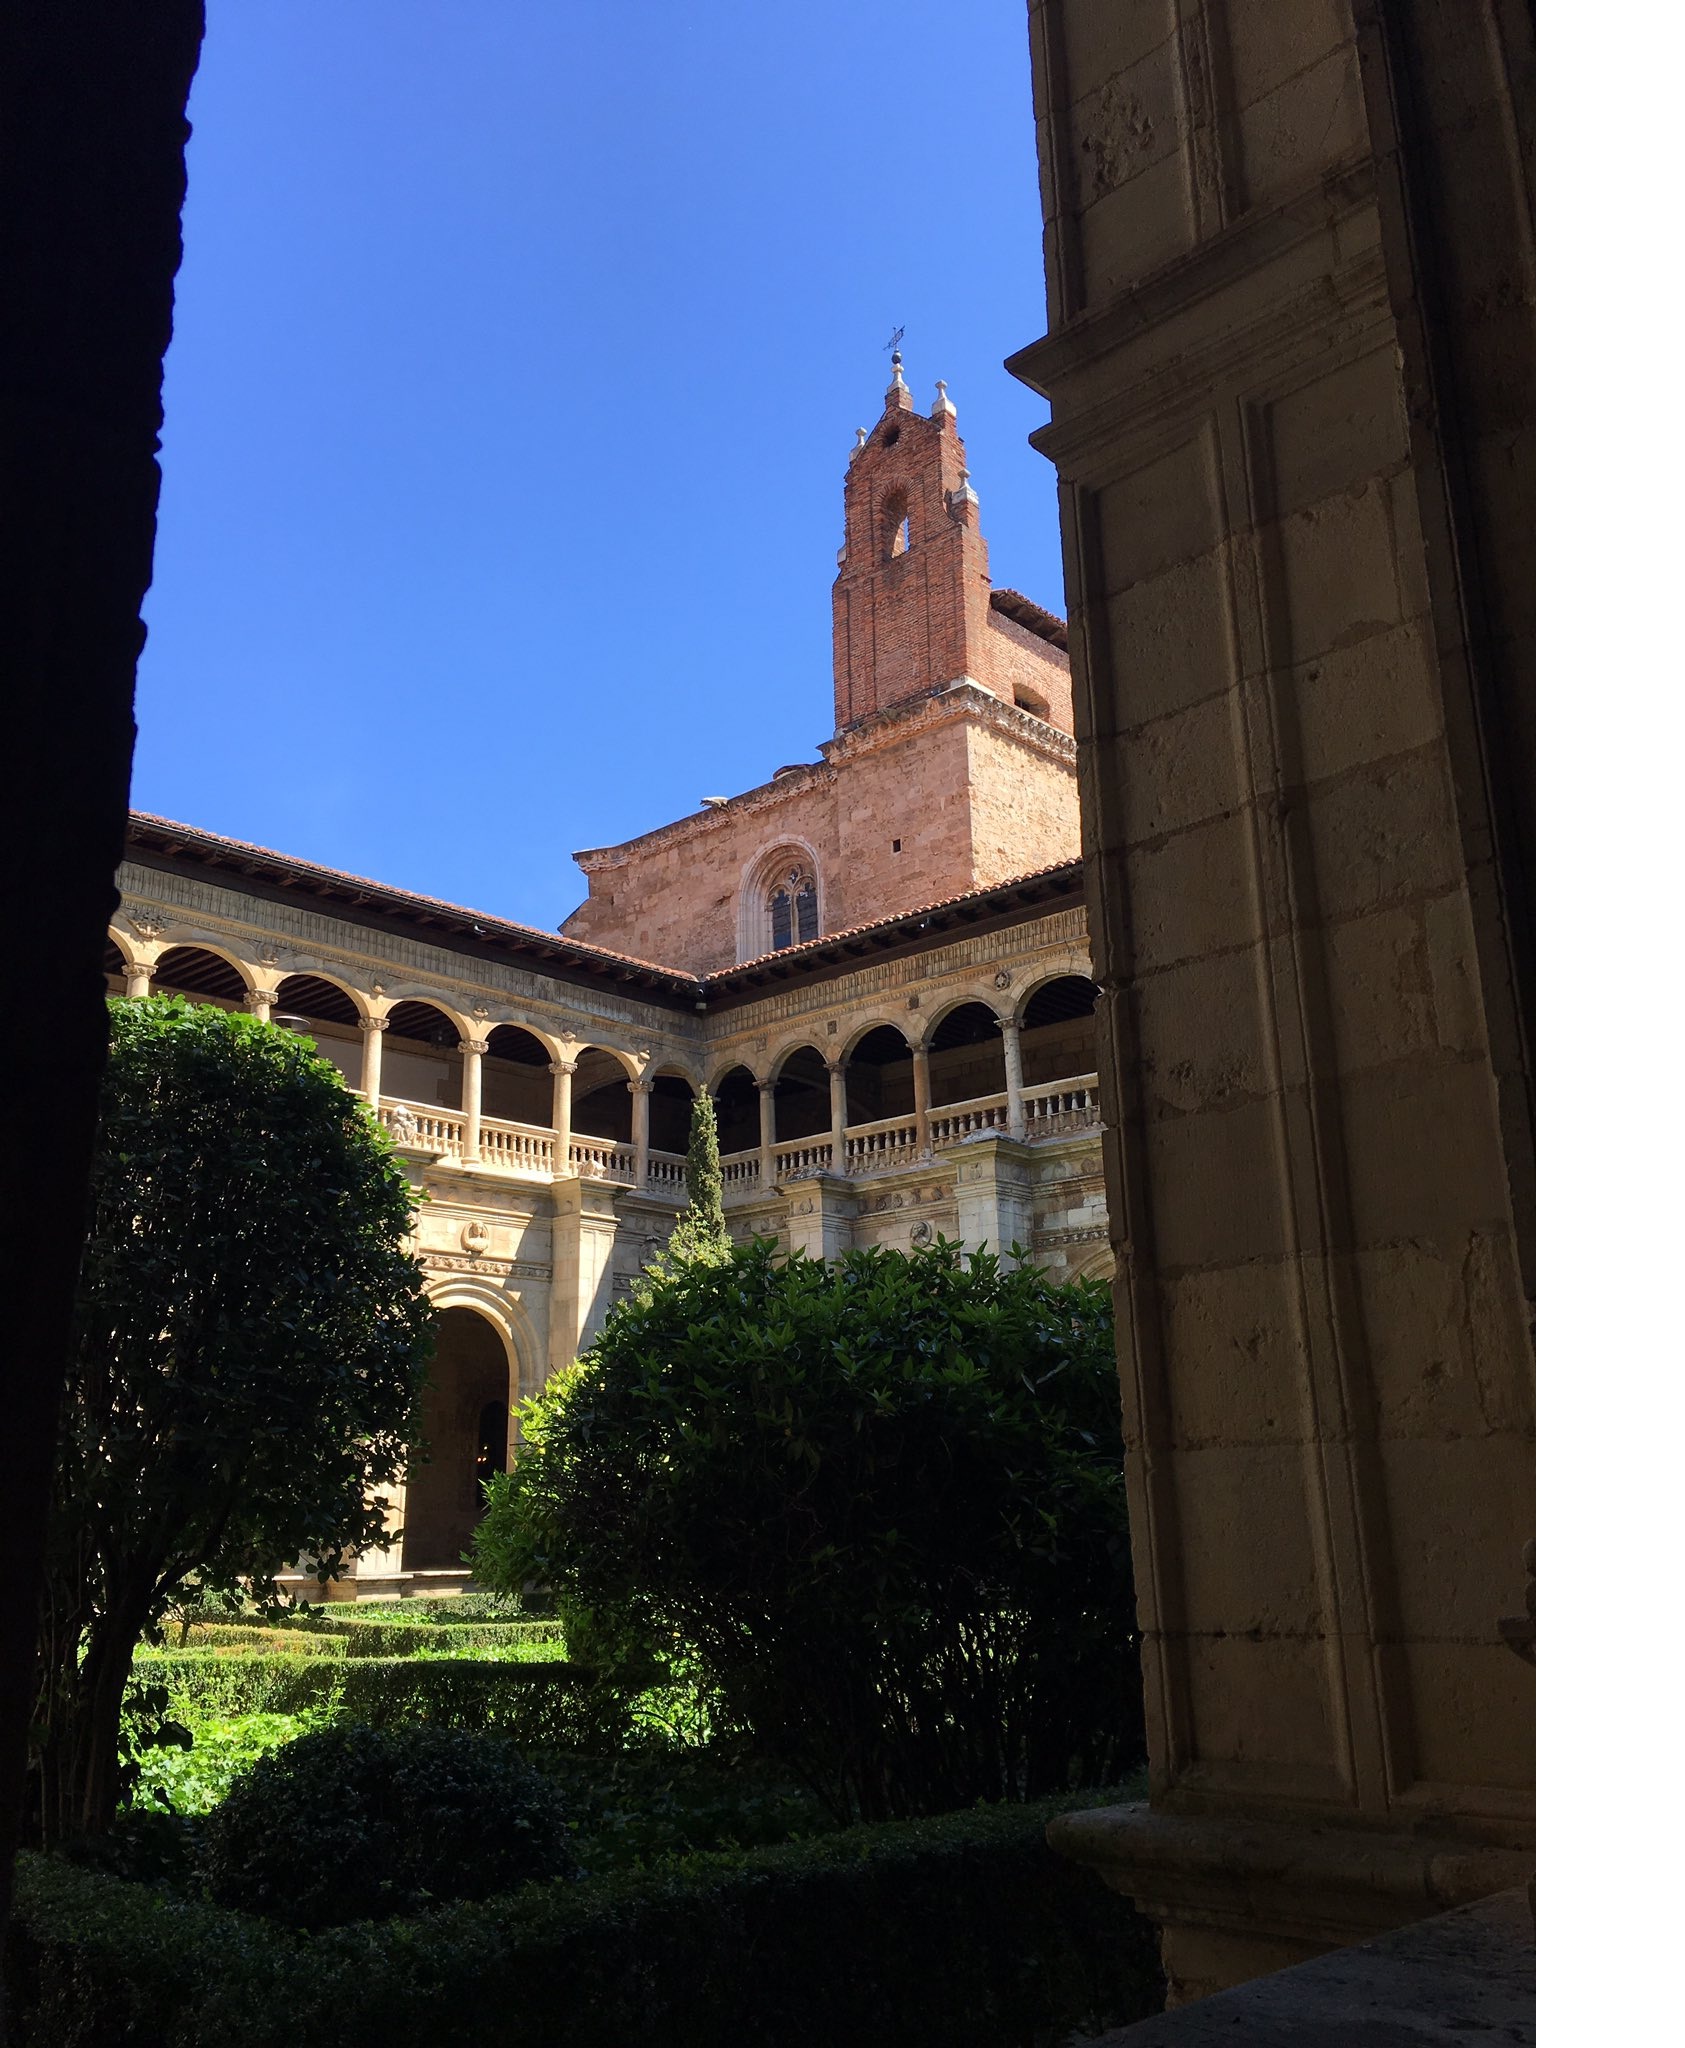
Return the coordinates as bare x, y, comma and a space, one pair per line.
921, 1096
642, 1089
138, 974
260, 1001
768, 1136
473, 1051
1306, 821
1014, 1077
561, 1111
839, 1115
374, 1037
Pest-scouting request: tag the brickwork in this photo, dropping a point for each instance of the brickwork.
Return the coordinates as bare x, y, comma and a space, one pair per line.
950, 768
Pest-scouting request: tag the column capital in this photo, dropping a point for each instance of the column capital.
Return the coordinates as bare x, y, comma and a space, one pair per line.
836, 1066
564, 1066
766, 1087
373, 1023
643, 1085
259, 998
1008, 1025
473, 1045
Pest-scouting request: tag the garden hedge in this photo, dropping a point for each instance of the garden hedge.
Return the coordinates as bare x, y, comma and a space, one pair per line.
536, 1706
370, 1638
961, 1932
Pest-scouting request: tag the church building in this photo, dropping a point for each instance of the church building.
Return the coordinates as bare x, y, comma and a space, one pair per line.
876, 962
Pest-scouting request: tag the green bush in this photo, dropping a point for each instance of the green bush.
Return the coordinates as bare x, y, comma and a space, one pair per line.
356, 1823
881, 1501
545, 1705
961, 1932
451, 1610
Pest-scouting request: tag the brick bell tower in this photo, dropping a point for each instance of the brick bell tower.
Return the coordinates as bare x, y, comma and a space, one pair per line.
910, 606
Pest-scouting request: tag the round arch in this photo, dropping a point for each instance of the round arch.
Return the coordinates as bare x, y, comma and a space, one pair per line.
327, 1011
737, 1108
878, 1074
863, 1027
787, 1052
515, 1075
967, 1053
421, 1061
801, 1096
121, 944
602, 1093
465, 1430
1056, 1030
203, 973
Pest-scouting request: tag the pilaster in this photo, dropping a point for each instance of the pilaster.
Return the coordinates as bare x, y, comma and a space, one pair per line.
992, 1192
821, 1213
583, 1231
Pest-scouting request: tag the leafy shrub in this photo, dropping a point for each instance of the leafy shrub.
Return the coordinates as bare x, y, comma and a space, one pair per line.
245, 1639
881, 1500
250, 1338
354, 1823
960, 1932
191, 1780
370, 1637
451, 1610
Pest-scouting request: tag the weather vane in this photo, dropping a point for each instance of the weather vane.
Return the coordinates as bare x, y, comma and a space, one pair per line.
894, 341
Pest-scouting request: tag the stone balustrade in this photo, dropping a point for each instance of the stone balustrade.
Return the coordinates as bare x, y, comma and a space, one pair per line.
1055, 1109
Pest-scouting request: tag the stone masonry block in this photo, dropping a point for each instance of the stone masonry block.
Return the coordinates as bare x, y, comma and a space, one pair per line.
1170, 641
1228, 1500
1380, 989
1422, 1154
1312, 119
1202, 1035
1160, 514
1361, 703
1269, 45
1473, 1715
1175, 771
1382, 835
1339, 582
1215, 1190
1260, 1700
1101, 42
1460, 1510
1234, 1336
1191, 893
1336, 432
1126, 124
1136, 228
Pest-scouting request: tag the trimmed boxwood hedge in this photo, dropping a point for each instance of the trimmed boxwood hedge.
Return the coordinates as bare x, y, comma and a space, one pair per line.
352, 1638
536, 1706
962, 1932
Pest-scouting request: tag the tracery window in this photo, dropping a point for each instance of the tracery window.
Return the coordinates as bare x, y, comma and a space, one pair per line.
793, 908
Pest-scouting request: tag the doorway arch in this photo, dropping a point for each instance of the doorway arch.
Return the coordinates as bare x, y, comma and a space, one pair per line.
463, 1437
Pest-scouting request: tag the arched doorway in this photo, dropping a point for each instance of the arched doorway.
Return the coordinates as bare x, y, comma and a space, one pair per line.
463, 1439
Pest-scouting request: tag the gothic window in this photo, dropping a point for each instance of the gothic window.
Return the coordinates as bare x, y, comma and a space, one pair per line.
794, 907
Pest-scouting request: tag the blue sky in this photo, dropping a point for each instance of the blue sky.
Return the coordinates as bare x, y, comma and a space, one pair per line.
519, 347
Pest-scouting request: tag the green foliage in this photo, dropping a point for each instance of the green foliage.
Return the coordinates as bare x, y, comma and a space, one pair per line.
699, 1236
452, 1610
250, 1338
881, 1502
357, 1823
962, 1932
192, 1781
